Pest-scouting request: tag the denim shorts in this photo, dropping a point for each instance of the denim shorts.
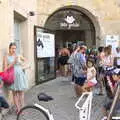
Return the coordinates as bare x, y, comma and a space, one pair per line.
80, 80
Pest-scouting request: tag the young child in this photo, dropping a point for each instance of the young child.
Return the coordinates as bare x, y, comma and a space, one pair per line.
91, 76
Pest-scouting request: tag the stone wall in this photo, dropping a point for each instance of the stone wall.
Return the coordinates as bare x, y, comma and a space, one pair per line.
106, 12
8, 8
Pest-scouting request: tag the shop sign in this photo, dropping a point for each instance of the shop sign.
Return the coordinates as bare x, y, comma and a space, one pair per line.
112, 40
69, 22
45, 45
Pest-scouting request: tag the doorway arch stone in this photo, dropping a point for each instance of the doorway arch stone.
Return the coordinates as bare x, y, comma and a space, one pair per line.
87, 13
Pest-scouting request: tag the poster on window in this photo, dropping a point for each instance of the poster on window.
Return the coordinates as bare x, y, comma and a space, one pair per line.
112, 40
45, 45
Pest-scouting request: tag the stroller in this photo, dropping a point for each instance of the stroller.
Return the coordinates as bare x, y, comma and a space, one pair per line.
112, 86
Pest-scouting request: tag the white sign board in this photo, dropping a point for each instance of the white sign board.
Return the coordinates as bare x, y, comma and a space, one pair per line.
45, 45
112, 40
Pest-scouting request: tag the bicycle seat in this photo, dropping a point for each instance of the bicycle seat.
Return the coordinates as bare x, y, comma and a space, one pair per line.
44, 97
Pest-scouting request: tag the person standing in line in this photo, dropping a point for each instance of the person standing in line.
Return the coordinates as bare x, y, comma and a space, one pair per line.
117, 57
91, 76
100, 75
63, 61
118, 52
80, 70
20, 82
108, 60
71, 61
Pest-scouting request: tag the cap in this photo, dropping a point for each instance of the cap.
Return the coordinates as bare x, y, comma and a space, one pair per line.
83, 46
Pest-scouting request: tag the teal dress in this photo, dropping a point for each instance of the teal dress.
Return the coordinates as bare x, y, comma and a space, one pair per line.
20, 82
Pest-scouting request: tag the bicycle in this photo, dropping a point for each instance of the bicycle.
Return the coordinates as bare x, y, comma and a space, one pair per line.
38, 110
84, 111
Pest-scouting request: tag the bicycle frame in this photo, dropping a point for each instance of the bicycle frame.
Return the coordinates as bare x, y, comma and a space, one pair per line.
85, 110
45, 110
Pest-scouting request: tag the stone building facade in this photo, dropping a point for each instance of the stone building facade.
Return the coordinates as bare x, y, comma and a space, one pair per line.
102, 16
17, 25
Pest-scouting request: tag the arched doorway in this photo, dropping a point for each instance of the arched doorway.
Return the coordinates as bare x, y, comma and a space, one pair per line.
72, 24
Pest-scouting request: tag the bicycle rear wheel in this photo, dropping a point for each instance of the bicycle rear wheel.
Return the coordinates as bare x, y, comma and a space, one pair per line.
32, 113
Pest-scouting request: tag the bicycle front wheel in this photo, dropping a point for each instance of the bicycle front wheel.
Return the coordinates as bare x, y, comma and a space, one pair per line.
32, 113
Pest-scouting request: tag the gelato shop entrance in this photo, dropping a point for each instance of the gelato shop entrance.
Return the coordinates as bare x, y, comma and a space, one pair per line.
67, 25
71, 25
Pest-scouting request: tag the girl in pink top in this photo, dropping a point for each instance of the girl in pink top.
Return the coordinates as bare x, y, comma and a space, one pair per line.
91, 76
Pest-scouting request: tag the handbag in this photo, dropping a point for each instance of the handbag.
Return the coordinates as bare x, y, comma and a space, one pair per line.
8, 76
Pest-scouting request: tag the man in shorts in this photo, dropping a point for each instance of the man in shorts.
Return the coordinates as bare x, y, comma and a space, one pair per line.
79, 69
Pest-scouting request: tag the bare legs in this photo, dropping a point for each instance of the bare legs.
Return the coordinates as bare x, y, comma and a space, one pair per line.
18, 97
101, 77
78, 90
21, 98
64, 70
16, 101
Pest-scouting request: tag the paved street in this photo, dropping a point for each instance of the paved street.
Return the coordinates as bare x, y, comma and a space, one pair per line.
62, 106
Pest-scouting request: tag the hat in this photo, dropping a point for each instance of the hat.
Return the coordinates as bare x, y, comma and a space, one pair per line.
83, 46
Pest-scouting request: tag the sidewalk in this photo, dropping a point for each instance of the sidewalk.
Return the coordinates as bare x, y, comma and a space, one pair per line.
62, 106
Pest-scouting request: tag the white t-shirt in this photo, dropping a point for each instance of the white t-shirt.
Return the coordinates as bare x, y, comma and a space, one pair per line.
108, 60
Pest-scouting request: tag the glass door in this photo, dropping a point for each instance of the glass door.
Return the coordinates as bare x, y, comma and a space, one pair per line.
44, 54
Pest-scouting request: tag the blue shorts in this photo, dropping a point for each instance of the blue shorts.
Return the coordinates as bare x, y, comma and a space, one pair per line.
80, 80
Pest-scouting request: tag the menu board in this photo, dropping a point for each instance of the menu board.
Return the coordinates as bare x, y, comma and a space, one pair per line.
45, 45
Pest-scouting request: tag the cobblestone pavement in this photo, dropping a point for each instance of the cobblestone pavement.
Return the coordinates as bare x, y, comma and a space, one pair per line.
62, 106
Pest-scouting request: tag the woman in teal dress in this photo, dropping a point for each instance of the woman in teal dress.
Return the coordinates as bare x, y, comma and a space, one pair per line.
20, 82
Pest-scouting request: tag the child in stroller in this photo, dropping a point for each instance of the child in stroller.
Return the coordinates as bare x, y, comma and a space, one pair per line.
111, 82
